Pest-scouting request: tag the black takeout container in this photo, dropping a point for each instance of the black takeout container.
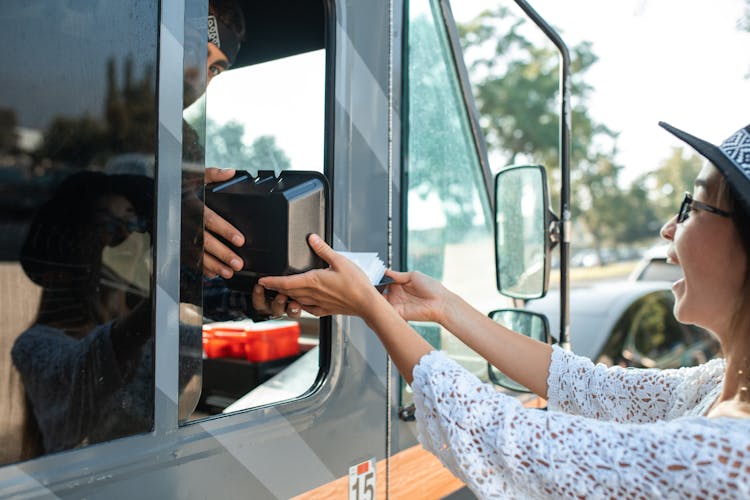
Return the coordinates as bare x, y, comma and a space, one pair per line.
276, 215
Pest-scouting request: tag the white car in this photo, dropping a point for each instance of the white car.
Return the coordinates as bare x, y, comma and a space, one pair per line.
654, 267
629, 323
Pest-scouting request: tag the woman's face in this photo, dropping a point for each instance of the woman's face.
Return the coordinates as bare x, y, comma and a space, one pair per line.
714, 262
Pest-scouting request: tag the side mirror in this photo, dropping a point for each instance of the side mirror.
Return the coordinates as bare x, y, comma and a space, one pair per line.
523, 224
527, 323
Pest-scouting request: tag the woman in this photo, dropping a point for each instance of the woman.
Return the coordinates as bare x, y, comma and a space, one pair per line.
612, 432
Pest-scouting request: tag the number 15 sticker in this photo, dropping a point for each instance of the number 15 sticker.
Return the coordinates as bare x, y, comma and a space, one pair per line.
362, 481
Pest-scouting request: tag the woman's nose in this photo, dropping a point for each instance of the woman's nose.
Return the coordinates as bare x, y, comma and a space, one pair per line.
667, 230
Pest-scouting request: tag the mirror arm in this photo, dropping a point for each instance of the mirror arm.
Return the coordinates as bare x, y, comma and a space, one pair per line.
565, 120
554, 229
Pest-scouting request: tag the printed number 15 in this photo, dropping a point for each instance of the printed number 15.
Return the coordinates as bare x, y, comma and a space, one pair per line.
369, 488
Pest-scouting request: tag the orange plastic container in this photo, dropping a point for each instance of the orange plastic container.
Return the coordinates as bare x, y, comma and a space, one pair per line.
256, 342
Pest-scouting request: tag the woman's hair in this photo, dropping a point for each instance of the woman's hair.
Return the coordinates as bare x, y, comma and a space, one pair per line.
740, 217
741, 220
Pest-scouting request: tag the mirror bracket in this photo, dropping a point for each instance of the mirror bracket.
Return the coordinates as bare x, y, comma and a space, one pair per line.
555, 229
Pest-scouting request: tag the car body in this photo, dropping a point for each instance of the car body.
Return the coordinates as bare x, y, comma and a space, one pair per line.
629, 323
654, 267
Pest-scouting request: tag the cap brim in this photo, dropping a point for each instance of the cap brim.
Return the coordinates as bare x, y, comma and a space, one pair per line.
738, 183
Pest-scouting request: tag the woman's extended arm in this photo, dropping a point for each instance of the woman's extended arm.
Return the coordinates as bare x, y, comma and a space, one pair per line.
344, 289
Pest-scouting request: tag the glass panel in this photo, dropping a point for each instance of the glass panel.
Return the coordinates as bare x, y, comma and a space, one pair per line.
532, 325
648, 336
260, 115
195, 60
521, 232
77, 142
449, 222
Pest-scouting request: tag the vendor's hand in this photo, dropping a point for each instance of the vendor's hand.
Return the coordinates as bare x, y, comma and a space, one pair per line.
342, 288
276, 307
219, 259
416, 296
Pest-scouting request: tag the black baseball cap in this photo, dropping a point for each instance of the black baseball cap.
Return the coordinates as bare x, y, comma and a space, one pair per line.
732, 158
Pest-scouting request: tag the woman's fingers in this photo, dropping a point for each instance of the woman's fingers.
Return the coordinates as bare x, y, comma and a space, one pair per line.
398, 277
286, 284
322, 249
317, 311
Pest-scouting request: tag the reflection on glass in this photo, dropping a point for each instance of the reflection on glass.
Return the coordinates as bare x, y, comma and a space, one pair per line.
521, 233
449, 232
449, 226
77, 142
530, 324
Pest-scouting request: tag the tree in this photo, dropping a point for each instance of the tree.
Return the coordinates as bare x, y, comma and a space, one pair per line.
76, 141
517, 90
8, 134
128, 123
516, 86
744, 23
225, 147
439, 144
266, 155
674, 176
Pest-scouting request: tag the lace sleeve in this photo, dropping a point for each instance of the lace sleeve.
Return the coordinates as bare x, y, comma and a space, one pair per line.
502, 450
577, 386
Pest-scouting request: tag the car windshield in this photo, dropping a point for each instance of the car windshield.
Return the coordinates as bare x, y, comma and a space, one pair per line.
660, 270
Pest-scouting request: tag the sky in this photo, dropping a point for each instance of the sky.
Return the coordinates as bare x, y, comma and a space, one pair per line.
679, 61
271, 93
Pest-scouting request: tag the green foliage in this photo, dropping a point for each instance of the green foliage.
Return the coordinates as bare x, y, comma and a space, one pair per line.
440, 145
674, 176
8, 135
743, 24
225, 147
76, 141
516, 86
128, 124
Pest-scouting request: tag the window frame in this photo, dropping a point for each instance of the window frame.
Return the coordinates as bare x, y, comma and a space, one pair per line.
313, 396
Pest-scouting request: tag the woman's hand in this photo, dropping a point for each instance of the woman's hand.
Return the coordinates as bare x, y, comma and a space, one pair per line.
416, 296
342, 288
219, 259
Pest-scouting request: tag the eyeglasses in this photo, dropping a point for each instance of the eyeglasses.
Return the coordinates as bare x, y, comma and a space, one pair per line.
688, 203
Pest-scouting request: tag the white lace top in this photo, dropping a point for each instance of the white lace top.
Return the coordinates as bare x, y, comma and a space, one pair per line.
609, 432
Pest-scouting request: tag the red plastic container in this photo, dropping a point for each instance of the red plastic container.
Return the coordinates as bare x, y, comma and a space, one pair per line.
256, 342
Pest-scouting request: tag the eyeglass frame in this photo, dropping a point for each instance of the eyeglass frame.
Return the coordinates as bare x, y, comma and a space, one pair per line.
688, 203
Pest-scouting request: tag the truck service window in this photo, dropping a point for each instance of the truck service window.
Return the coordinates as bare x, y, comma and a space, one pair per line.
77, 142
265, 114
